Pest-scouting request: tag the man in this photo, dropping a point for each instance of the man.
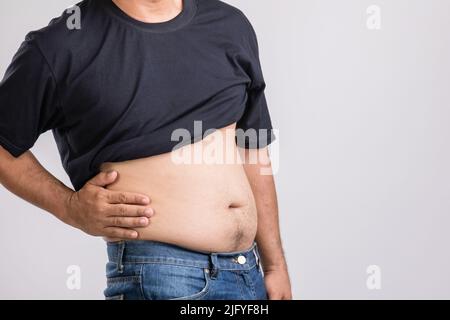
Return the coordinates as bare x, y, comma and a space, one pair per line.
119, 93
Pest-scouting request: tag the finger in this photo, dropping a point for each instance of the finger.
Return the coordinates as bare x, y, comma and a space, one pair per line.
104, 178
120, 233
274, 296
125, 222
125, 210
115, 197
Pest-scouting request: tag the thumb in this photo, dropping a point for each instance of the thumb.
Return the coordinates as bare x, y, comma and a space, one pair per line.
104, 178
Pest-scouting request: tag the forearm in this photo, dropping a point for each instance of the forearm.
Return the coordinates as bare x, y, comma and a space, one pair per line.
26, 178
268, 234
93, 209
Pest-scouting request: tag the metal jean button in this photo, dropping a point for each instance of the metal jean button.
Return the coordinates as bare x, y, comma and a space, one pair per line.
241, 260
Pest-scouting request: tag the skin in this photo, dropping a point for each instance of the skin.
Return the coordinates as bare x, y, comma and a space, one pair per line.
94, 209
205, 207
151, 11
98, 211
268, 236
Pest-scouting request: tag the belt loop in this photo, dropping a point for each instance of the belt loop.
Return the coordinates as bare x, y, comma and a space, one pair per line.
258, 258
120, 250
214, 266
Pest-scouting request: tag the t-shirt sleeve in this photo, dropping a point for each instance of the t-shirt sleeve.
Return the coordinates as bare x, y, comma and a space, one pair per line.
29, 104
254, 129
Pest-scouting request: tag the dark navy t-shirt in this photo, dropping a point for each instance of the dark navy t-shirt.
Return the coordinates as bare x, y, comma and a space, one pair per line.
117, 88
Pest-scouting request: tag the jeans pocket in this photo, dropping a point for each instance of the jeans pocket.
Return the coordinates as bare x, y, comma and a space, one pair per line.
174, 282
258, 283
125, 285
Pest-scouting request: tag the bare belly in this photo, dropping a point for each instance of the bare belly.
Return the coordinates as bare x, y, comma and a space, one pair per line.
201, 206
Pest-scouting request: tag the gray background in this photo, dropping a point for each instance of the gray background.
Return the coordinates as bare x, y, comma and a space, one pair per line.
364, 174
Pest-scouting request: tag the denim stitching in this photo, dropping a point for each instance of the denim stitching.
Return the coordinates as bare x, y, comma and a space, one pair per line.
141, 285
194, 264
249, 282
132, 279
239, 284
200, 294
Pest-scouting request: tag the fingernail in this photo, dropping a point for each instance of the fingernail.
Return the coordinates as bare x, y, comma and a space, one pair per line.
134, 234
148, 211
111, 174
143, 221
145, 200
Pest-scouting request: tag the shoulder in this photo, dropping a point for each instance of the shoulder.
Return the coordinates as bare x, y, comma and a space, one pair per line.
229, 16
63, 30
218, 5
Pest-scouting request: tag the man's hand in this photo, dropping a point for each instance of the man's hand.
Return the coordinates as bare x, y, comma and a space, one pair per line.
278, 285
101, 212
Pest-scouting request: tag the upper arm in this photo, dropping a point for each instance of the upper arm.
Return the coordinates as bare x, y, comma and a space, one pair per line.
254, 129
29, 103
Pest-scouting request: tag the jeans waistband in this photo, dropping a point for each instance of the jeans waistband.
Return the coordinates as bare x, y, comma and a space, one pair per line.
138, 251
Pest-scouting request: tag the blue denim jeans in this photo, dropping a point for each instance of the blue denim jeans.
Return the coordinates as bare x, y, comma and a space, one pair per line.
149, 270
